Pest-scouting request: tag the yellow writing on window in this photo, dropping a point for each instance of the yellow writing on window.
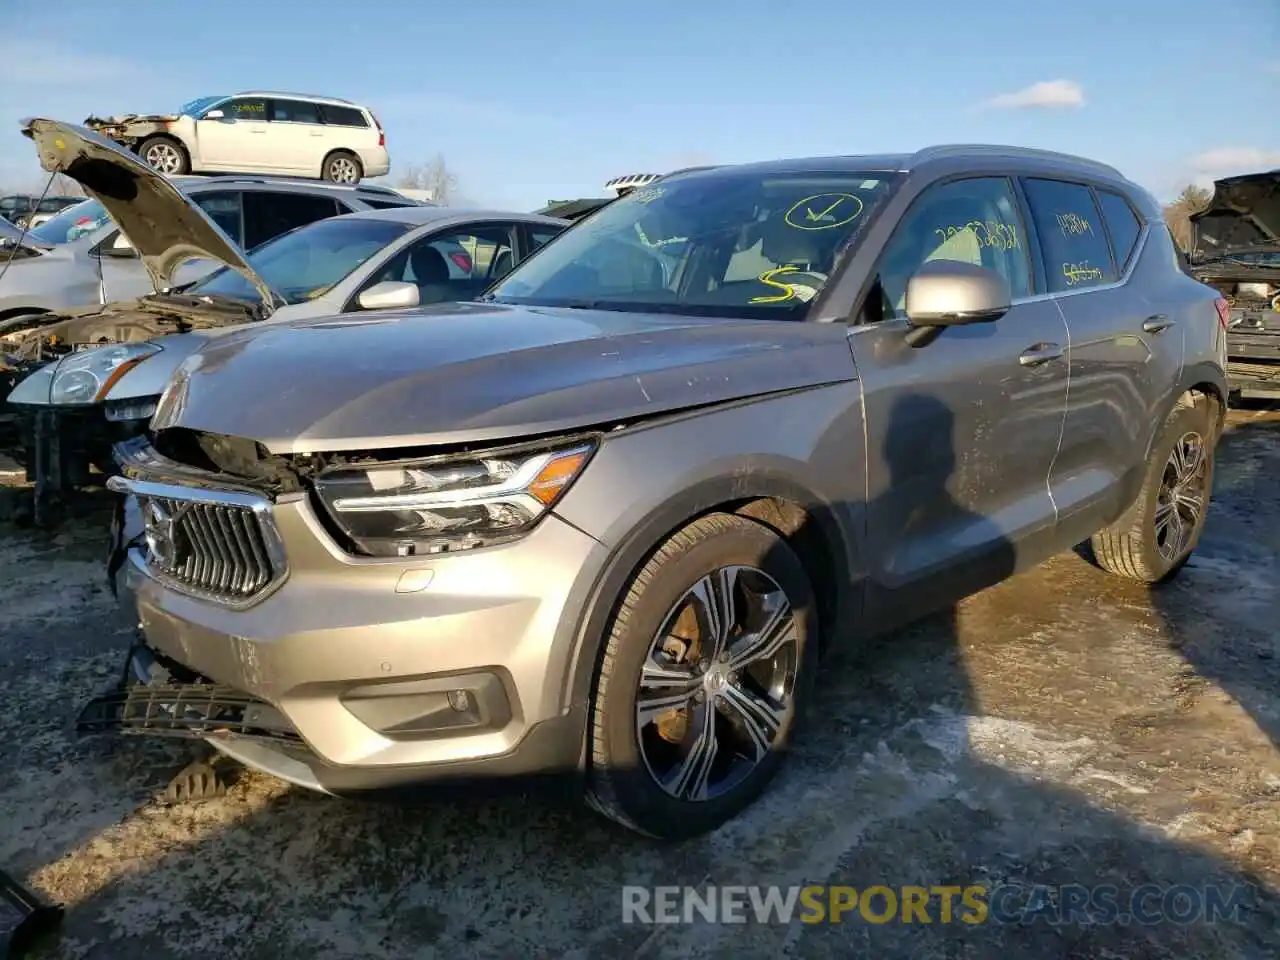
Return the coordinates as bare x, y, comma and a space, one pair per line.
988, 233
823, 211
788, 291
1074, 225
1082, 272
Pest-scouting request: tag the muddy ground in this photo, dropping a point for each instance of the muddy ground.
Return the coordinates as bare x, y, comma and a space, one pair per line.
1064, 727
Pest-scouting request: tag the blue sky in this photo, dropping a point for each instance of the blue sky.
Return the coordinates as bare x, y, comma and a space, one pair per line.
530, 101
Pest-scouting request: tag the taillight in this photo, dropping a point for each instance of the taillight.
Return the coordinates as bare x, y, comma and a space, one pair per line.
382, 136
1224, 312
462, 260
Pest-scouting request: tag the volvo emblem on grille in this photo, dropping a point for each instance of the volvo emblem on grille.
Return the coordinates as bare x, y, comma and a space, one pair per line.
162, 542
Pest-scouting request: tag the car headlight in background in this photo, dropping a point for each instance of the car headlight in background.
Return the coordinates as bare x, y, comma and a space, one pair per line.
87, 377
443, 505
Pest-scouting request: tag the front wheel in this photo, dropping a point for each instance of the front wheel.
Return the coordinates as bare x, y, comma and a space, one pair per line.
342, 167
710, 659
163, 154
1156, 536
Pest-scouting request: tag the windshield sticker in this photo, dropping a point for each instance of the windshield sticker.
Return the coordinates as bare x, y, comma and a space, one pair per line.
824, 211
647, 195
1077, 273
989, 233
1073, 225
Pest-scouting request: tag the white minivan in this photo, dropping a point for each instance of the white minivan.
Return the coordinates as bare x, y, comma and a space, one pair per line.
282, 134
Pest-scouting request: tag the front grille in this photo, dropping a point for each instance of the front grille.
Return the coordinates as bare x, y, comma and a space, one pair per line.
225, 552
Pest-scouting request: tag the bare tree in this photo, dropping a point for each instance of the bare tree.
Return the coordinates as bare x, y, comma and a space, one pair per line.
1177, 215
434, 175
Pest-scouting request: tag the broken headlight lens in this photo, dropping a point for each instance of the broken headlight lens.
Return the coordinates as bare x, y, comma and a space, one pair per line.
444, 505
87, 377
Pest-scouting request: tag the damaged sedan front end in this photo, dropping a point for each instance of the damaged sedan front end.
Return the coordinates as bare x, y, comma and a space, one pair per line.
59, 368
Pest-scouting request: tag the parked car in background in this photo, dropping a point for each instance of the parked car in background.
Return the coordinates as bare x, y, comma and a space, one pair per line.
81, 257
284, 134
1235, 244
38, 210
91, 379
606, 519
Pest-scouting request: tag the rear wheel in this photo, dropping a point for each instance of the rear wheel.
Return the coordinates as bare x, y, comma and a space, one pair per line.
342, 167
1156, 536
707, 666
165, 155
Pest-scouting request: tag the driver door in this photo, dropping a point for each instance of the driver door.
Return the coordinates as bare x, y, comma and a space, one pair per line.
961, 432
238, 141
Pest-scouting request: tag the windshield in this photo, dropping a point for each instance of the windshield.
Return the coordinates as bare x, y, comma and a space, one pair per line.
72, 223
304, 263
198, 106
716, 243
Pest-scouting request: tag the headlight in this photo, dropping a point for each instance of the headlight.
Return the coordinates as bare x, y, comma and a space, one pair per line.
85, 378
452, 503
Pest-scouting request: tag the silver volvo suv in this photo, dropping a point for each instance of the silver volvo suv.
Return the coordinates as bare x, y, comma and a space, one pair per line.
607, 521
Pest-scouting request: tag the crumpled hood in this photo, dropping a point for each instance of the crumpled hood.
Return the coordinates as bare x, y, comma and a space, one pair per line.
164, 226
481, 372
1242, 217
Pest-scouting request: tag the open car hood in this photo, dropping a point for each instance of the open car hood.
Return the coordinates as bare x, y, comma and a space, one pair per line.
1242, 217
164, 226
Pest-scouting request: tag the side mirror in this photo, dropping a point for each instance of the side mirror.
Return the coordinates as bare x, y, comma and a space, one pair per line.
120, 247
947, 293
389, 294
215, 115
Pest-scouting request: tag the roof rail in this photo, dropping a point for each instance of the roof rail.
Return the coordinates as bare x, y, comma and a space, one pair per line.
291, 95
946, 150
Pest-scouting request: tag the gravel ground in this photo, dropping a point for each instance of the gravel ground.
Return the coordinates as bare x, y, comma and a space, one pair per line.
1062, 728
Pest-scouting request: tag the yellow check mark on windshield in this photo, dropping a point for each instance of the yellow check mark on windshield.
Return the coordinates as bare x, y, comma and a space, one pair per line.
815, 217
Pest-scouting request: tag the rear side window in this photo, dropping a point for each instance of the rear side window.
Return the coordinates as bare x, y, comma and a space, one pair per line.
1072, 239
342, 116
1123, 225
294, 111
385, 204
541, 236
267, 215
224, 210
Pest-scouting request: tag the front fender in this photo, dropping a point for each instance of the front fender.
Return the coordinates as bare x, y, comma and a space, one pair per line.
646, 483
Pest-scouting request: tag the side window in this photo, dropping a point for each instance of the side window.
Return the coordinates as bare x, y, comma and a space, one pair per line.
294, 111
1122, 224
245, 108
267, 214
224, 210
337, 116
1072, 241
457, 265
974, 221
541, 236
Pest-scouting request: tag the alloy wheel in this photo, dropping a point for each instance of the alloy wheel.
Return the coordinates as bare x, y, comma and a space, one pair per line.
717, 683
343, 170
164, 157
1181, 499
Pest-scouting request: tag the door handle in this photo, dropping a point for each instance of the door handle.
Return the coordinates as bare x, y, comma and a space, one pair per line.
1156, 324
317, 133
1040, 353
257, 131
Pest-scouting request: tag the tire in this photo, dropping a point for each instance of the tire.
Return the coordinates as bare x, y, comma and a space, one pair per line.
342, 166
629, 757
1135, 546
166, 155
